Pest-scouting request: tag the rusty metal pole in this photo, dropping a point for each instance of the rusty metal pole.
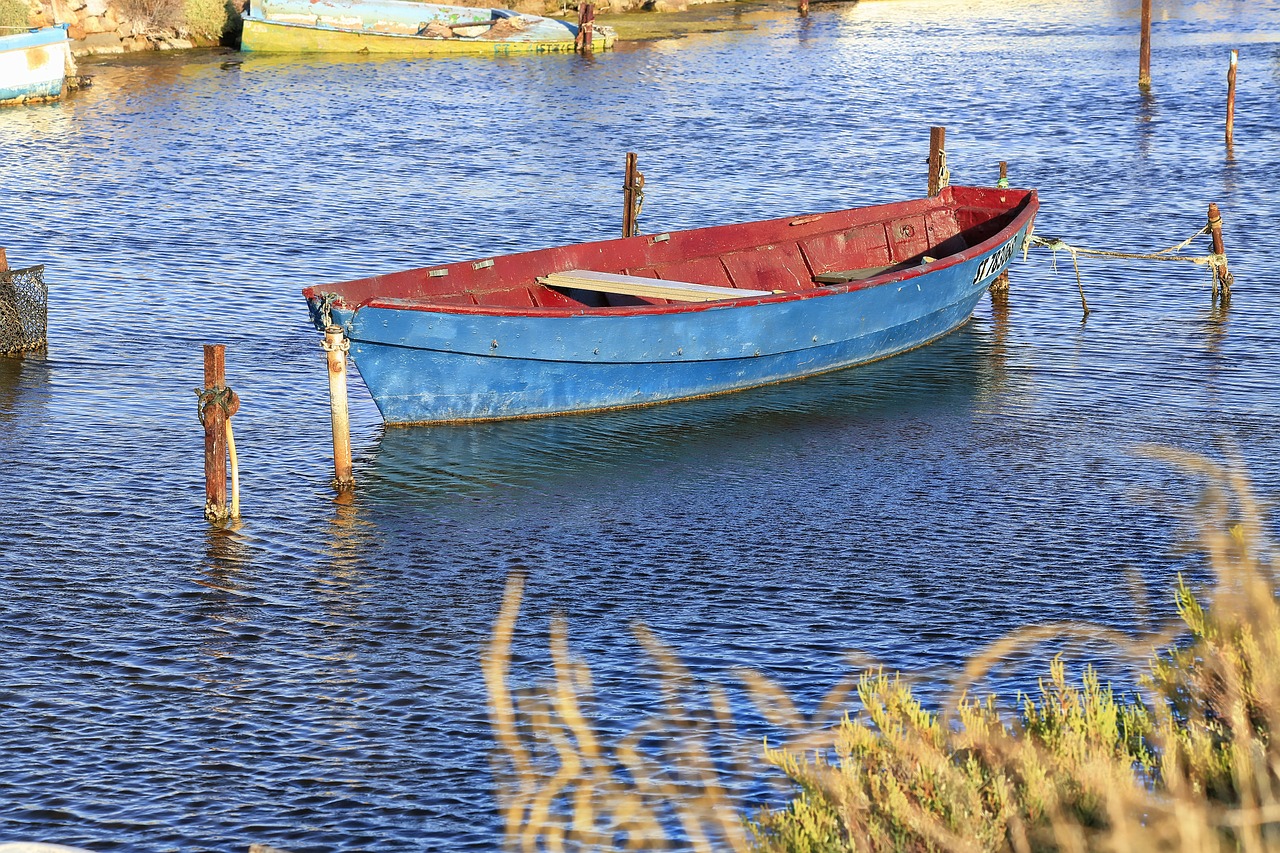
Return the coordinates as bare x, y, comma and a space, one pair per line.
335, 347
632, 196
937, 158
583, 42
1144, 48
1222, 278
214, 417
1231, 97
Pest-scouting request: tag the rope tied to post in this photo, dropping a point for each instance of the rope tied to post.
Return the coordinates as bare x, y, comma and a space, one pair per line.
1216, 261
222, 397
944, 174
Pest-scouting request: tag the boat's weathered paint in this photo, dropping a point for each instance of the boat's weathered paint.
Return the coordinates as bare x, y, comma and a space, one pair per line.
392, 27
33, 65
426, 363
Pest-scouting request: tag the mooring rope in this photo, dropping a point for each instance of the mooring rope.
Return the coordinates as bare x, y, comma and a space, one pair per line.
1214, 261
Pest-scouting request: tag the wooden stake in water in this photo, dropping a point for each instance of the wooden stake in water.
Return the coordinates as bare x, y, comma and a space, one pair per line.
1231, 96
214, 418
937, 159
583, 42
632, 197
1144, 48
999, 287
336, 347
1222, 278
4, 260
804, 8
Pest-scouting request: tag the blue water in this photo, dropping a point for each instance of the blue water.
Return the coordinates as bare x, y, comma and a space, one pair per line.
311, 678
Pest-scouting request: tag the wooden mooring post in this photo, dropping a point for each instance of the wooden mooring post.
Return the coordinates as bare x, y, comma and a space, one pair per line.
216, 405
1231, 97
804, 8
583, 42
336, 346
632, 197
4, 260
1144, 48
999, 287
939, 176
1222, 278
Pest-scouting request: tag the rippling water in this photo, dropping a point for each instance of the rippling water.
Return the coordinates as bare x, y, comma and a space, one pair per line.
311, 678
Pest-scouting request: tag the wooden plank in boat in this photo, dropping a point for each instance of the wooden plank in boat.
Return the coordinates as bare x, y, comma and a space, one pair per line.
846, 276
635, 285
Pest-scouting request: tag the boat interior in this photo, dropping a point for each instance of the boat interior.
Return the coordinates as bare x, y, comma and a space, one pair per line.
847, 249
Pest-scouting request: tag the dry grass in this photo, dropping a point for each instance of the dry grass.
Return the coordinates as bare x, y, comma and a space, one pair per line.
1185, 764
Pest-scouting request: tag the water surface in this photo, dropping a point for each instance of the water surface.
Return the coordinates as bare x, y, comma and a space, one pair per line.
311, 678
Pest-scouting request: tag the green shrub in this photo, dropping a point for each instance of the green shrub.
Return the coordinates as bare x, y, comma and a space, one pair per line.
206, 19
15, 13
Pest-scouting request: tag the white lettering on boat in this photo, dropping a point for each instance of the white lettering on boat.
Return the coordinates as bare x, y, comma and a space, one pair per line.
992, 263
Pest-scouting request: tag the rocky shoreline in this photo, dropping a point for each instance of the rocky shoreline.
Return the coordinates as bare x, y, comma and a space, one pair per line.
127, 26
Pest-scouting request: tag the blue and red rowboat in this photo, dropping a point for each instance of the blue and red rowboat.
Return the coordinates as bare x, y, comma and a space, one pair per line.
663, 317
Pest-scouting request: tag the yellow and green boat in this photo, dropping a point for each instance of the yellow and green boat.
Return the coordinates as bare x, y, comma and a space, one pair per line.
401, 27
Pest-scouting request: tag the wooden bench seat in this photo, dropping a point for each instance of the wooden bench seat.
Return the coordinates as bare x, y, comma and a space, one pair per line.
846, 276
636, 285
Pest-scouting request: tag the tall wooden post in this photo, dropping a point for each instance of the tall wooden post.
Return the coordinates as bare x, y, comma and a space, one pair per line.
214, 417
804, 8
584, 41
1222, 278
1144, 48
632, 197
336, 347
4, 260
1003, 181
937, 159
1231, 96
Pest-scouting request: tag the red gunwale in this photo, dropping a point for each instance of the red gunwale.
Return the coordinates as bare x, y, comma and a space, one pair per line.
509, 274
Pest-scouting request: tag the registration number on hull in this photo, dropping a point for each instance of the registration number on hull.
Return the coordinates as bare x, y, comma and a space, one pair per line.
992, 263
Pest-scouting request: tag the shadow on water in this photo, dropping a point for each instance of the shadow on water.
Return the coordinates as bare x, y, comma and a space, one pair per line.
22, 377
550, 454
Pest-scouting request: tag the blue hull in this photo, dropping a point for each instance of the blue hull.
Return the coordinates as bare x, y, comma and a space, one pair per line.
431, 366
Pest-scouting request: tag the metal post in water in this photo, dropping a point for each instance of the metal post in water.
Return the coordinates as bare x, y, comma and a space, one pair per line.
336, 347
937, 159
1144, 48
1222, 278
214, 417
1231, 96
632, 197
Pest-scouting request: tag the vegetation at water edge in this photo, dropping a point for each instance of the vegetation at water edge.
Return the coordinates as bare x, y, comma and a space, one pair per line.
1185, 763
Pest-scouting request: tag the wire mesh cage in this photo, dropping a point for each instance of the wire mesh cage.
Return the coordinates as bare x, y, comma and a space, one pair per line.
24, 309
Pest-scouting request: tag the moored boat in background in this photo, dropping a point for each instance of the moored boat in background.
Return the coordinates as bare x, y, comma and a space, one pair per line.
401, 27
35, 64
662, 317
